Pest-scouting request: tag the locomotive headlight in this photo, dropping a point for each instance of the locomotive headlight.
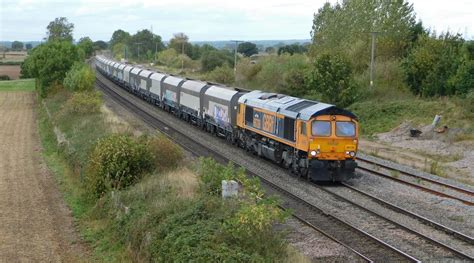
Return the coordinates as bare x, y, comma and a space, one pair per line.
313, 153
352, 154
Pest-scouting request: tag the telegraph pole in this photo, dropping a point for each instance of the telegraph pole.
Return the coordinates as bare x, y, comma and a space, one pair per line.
235, 54
138, 49
182, 55
372, 58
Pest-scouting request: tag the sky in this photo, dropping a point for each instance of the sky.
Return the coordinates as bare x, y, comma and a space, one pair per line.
26, 20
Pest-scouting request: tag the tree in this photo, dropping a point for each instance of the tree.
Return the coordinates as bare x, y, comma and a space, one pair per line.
100, 45
331, 77
222, 74
119, 36
344, 27
215, 58
60, 29
247, 48
144, 41
17, 45
86, 45
270, 50
433, 66
49, 62
119, 50
28, 46
292, 49
180, 43
167, 57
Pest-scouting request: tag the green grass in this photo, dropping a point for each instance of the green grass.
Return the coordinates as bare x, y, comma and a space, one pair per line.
17, 85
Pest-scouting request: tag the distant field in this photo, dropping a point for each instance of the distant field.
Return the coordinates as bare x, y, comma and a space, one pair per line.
12, 56
12, 71
17, 85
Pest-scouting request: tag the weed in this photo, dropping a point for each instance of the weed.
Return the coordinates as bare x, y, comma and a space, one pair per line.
437, 169
395, 173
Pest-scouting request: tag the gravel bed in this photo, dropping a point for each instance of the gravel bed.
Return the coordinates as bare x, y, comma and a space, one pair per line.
314, 245
407, 242
422, 174
420, 182
405, 220
445, 211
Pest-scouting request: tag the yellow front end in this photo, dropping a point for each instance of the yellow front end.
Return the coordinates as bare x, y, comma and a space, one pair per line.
333, 137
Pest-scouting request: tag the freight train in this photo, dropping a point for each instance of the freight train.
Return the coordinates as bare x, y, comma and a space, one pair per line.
312, 139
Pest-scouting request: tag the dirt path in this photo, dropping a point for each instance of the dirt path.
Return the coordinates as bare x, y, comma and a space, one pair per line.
35, 223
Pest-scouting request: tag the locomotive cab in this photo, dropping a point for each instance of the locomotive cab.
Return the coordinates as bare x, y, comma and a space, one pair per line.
332, 147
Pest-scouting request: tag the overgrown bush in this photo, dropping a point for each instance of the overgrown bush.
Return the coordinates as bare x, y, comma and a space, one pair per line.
215, 58
331, 77
246, 70
222, 74
212, 174
167, 155
167, 57
116, 162
284, 73
197, 233
4, 77
79, 78
84, 102
433, 62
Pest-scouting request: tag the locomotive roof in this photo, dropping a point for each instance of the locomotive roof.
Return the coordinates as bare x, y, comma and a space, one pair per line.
291, 106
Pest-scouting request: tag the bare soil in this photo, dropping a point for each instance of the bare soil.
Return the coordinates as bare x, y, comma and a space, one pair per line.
36, 225
13, 71
432, 152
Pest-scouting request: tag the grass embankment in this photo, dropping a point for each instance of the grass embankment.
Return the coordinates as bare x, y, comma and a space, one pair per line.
386, 111
169, 215
17, 85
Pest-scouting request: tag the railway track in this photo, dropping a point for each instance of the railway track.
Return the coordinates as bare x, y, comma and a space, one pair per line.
366, 246
411, 178
464, 241
466, 238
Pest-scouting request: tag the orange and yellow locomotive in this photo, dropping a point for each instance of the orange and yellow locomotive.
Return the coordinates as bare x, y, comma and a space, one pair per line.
313, 139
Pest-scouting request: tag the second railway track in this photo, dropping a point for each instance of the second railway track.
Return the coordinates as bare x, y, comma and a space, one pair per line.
426, 183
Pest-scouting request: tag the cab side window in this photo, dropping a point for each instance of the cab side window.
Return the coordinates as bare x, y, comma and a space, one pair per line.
303, 128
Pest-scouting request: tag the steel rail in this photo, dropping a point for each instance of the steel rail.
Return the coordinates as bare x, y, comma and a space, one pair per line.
421, 235
444, 184
423, 219
420, 187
